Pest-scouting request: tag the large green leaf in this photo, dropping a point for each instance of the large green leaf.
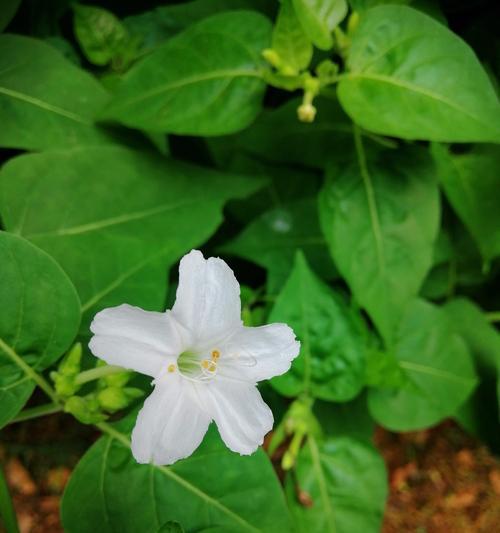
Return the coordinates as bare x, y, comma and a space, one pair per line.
438, 368
471, 182
347, 482
380, 217
331, 365
319, 18
114, 218
292, 45
38, 320
45, 100
214, 490
409, 76
205, 81
272, 239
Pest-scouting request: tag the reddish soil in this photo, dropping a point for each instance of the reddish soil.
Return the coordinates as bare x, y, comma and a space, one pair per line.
441, 480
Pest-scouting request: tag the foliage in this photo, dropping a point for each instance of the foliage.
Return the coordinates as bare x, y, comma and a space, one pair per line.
341, 156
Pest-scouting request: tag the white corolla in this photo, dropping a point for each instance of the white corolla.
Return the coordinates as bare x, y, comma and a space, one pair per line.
204, 362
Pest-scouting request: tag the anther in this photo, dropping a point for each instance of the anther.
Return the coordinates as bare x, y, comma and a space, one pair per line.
171, 368
205, 363
215, 354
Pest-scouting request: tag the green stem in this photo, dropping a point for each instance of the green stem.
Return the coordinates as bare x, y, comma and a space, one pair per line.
7, 512
494, 316
36, 412
98, 372
112, 432
32, 374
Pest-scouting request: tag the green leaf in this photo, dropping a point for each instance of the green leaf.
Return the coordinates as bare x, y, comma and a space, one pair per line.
349, 419
115, 219
156, 26
101, 35
380, 216
331, 363
347, 483
9, 8
279, 136
59, 111
439, 372
205, 81
272, 239
39, 319
483, 341
471, 183
319, 18
213, 489
292, 45
409, 76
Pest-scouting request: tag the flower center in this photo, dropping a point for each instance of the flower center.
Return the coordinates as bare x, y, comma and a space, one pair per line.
197, 366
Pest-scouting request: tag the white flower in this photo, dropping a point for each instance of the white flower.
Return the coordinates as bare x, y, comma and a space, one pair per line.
204, 362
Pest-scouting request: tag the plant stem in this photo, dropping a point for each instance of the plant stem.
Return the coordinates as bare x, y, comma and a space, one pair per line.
35, 412
494, 316
7, 512
96, 373
32, 374
112, 432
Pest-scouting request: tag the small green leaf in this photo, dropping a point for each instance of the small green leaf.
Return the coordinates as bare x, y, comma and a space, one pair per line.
439, 372
345, 482
331, 365
471, 182
214, 489
59, 111
205, 81
115, 218
272, 239
319, 18
409, 76
292, 45
39, 319
380, 216
101, 35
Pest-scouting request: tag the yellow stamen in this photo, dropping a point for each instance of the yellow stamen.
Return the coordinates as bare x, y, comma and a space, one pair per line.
212, 367
205, 363
171, 368
215, 355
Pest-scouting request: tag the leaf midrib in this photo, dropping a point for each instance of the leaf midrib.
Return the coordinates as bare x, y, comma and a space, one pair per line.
397, 82
125, 441
112, 221
190, 80
316, 461
45, 105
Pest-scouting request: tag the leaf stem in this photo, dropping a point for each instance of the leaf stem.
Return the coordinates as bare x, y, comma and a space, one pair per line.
7, 512
98, 372
36, 412
32, 374
493, 316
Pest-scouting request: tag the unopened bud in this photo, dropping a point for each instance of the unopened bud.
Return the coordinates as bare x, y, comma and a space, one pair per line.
306, 113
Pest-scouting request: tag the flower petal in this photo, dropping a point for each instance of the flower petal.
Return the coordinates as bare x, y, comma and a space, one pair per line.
171, 424
127, 336
241, 415
255, 354
208, 298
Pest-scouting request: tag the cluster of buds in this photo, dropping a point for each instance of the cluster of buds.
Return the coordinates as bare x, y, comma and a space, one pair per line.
110, 394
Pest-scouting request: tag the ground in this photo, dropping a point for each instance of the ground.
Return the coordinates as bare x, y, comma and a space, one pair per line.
441, 480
